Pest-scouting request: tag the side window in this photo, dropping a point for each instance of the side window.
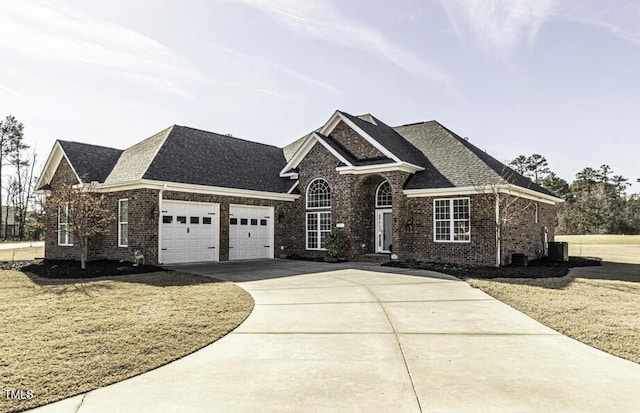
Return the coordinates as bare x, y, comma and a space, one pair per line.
123, 222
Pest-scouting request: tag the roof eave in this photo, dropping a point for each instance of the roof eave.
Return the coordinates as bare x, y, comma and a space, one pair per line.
472, 190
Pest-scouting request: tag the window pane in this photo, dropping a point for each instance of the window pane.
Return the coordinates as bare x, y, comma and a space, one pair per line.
194, 220
233, 221
325, 221
312, 239
312, 222
181, 220
254, 221
206, 220
167, 219
461, 230
263, 222
319, 194
243, 221
383, 197
124, 234
323, 235
124, 210
443, 230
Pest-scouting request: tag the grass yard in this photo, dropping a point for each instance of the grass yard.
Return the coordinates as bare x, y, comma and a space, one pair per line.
21, 254
612, 248
64, 337
596, 305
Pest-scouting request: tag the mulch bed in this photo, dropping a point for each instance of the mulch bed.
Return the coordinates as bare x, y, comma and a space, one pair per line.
71, 269
542, 268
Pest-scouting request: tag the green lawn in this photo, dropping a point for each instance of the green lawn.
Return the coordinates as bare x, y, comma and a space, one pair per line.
22, 254
596, 305
612, 248
64, 337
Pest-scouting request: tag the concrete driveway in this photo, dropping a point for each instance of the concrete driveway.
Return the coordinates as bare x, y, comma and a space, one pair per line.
364, 338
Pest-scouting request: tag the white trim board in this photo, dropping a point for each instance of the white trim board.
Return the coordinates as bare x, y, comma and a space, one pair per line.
192, 188
51, 166
509, 189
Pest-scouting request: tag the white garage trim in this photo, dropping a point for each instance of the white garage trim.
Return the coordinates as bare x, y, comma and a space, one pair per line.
189, 232
251, 232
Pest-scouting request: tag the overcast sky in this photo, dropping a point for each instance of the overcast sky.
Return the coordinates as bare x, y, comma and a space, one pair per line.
559, 78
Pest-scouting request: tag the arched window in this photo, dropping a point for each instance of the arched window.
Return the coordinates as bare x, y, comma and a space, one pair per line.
318, 194
383, 195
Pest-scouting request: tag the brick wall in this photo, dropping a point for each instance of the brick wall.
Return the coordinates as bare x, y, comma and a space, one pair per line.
354, 143
63, 175
353, 203
521, 234
418, 235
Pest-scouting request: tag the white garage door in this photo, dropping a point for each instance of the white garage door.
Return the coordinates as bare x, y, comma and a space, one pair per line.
250, 232
189, 232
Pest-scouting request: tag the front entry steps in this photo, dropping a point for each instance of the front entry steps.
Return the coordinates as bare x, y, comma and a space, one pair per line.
377, 257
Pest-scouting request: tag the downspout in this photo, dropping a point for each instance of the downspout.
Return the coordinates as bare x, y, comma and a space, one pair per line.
164, 187
498, 230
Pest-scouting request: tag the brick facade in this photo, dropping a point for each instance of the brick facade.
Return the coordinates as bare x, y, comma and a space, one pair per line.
353, 204
353, 143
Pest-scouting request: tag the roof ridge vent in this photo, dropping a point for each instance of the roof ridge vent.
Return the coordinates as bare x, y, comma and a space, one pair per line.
367, 117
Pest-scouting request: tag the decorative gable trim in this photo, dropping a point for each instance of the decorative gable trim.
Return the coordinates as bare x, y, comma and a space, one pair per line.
51, 166
304, 149
335, 120
385, 167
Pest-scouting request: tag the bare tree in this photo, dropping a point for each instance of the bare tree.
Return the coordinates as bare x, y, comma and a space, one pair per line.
11, 134
85, 215
508, 206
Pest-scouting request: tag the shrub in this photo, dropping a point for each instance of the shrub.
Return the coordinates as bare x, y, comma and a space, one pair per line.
337, 245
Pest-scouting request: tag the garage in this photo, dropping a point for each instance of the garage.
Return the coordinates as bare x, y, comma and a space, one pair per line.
189, 232
250, 232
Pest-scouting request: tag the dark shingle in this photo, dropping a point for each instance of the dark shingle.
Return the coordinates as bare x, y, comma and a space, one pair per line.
390, 139
91, 162
460, 162
194, 156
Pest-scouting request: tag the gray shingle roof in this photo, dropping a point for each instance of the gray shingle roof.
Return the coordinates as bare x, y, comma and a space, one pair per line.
194, 156
460, 162
389, 138
91, 162
134, 161
185, 155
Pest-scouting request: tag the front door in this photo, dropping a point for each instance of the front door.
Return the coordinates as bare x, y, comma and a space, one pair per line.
384, 230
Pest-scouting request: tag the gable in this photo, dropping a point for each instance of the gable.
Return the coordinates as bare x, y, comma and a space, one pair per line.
64, 174
354, 144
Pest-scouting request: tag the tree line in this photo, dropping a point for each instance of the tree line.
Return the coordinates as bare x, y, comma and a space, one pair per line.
596, 201
21, 217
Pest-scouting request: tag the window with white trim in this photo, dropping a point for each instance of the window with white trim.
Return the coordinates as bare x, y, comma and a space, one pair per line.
123, 222
318, 228
451, 220
318, 194
383, 195
65, 237
536, 213
318, 224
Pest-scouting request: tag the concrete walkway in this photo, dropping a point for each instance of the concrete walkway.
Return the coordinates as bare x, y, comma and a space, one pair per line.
342, 339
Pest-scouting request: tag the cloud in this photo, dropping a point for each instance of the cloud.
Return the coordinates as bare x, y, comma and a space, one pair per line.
11, 91
256, 68
502, 25
318, 19
498, 24
59, 34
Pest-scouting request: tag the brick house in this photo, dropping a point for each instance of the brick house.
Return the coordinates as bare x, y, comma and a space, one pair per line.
416, 191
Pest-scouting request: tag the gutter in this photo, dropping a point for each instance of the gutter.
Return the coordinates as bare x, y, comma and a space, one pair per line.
160, 193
